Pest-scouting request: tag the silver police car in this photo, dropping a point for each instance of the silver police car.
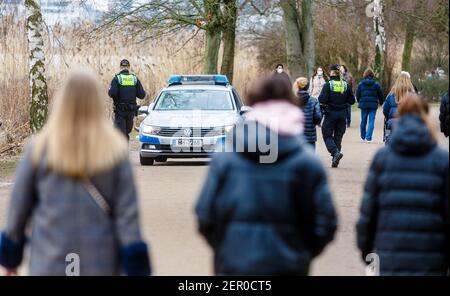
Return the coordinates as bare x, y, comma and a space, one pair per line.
189, 118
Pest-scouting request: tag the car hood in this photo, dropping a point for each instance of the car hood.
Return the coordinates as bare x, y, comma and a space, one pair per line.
196, 118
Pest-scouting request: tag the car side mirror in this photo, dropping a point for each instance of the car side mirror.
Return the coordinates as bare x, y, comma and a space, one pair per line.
143, 110
245, 109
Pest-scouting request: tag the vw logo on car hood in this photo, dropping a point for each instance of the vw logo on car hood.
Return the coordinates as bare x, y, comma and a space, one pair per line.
187, 132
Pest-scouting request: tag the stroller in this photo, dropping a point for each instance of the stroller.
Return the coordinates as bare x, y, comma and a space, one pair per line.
388, 126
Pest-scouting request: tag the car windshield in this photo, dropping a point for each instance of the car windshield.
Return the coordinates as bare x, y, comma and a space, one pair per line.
194, 100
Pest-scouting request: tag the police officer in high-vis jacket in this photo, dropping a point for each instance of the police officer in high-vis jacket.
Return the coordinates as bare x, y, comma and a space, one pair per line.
336, 95
125, 88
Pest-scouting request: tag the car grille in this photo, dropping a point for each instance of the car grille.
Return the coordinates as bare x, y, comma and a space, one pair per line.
196, 132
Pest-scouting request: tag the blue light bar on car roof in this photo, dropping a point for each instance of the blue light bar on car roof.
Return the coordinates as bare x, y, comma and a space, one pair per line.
198, 79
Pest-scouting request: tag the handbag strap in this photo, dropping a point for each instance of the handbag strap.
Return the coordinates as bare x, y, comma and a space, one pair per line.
97, 196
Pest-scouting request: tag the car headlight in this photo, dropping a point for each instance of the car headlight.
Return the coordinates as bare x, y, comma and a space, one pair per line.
151, 130
228, 128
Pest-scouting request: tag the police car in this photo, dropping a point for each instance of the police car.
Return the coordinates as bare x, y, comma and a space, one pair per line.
189, 118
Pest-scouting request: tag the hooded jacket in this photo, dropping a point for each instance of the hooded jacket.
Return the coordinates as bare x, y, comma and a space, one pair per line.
265, 218
369, 94
405, 208
312, 113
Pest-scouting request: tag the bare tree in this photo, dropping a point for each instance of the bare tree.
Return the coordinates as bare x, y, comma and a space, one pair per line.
229, 37
156, 18
38, 84
299, 29
380, 37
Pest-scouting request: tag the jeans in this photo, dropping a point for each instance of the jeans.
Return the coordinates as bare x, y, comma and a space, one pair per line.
333, 129
367, 129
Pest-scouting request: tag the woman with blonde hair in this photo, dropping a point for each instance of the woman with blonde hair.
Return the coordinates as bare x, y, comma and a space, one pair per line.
75, 188
311, 110
401, 88
405, 208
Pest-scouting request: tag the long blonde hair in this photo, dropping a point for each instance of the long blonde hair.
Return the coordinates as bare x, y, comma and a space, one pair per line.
402, 86
79, 140
414, 104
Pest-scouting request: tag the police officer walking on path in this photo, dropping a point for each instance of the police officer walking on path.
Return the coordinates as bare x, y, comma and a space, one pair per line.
336, 95
125, 88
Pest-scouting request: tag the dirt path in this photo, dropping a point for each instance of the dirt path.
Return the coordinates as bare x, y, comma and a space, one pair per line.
168, 193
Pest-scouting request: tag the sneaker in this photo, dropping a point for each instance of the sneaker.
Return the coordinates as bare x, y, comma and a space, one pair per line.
369, 141
336, 158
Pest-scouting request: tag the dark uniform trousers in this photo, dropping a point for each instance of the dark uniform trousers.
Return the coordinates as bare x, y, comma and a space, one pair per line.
333, 130
124, 122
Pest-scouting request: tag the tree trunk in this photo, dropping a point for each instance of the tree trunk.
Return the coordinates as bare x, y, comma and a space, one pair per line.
38, 84
308, 11
380, 38
408, 46
294, 49
212, 36
229, 38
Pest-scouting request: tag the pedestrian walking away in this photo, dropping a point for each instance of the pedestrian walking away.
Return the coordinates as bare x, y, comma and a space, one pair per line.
400, 90
125, 88
444, 114
405, 208
311, 110
347, 77
75, 188
369, 96
267, 218
335, 97
317, 82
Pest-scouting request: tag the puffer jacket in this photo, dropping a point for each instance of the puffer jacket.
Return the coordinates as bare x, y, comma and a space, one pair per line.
369, 94
405, 208
312, 113
266, 219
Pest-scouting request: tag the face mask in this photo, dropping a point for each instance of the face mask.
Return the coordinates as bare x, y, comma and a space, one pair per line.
279, 70
320, 73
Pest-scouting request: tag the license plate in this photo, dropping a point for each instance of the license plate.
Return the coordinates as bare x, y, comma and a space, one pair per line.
187, 143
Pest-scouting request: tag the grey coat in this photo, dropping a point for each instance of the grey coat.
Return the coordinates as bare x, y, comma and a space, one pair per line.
65, 219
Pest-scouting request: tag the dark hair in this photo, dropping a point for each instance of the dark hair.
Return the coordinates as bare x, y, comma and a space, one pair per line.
325, 76
278, 65
368, 73
273, 87
334, 67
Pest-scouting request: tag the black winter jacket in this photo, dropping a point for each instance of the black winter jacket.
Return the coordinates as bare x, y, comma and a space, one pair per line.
312, 113
266, 219
125, 94
334, 100
369, 94
405, 208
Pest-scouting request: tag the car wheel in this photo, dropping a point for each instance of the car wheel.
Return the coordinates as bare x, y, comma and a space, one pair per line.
146, 160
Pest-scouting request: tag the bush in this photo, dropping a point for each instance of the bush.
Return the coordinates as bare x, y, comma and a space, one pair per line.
432, 89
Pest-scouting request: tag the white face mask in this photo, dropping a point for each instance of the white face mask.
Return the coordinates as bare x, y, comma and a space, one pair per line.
320, 73
279, 70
